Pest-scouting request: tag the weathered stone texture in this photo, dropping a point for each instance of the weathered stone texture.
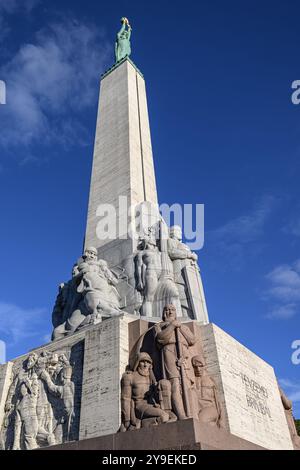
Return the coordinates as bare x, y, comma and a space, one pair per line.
5, 381
248, 390
106, 357
182, 435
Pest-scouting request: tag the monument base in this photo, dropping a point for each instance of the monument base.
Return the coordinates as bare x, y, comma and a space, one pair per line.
93, 361
189, 434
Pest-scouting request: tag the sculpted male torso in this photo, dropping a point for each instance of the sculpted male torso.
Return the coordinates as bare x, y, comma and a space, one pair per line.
148, 270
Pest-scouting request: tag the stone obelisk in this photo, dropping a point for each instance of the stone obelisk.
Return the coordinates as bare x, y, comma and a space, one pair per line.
123, 162
123, 185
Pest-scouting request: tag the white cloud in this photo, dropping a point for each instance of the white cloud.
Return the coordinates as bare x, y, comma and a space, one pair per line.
233, 239
8, 6
18, 323
12, 6
49, 83
248, 227
284, 289
291, 388
283, 312
285, 281
47, 338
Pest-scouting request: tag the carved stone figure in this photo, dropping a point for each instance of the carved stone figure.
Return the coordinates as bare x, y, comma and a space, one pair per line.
143, 401
33, 419
174, 339
65, 391
154, 273
288, 410
179, 250
67, 300
88, 297
167, 291
208, 406
29, 407
148, 270
181, 256
97, 285
122, 45
187, 277
24, 406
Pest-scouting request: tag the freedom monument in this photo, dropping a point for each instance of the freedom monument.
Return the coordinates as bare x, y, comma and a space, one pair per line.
134, 362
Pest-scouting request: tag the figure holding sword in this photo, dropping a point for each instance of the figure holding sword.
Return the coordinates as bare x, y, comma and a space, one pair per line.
174, 339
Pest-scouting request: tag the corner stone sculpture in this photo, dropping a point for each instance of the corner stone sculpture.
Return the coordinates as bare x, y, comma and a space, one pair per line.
183, 389
40, 404
208, 407
288, 410
89, 296
122, 46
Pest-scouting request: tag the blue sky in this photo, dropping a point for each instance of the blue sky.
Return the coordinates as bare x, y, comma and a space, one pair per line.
219, 78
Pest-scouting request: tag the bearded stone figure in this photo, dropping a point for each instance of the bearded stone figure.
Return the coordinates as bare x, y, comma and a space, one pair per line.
174, 340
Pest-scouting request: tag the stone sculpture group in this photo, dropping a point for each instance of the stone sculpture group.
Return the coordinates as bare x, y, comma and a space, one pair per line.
87, 297
162, 268
183, 390
166, 271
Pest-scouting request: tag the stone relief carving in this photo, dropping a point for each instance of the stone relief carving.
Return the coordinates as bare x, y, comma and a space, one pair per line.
174, 339
288, 410
209, 409
179, 389
144, 402
40, 404
87, 298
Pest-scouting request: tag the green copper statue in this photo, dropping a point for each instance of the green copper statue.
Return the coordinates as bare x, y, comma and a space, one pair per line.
122, 46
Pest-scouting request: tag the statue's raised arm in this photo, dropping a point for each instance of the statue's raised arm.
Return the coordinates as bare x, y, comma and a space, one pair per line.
122, 45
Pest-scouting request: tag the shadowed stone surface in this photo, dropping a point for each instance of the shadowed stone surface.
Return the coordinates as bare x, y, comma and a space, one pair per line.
182, 435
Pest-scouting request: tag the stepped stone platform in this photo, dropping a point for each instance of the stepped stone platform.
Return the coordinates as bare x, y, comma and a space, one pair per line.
189, 434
